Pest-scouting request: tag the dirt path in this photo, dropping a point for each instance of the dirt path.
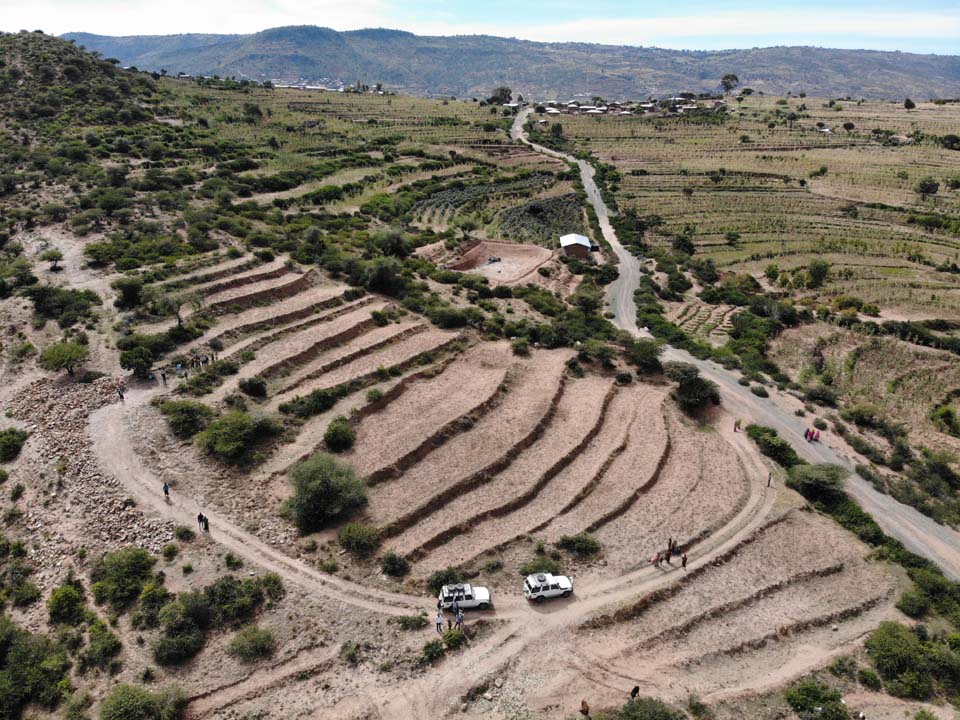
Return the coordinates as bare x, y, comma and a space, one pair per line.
116, 455
916, 531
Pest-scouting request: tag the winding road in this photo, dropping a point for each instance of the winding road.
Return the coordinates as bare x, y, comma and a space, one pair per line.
916, 531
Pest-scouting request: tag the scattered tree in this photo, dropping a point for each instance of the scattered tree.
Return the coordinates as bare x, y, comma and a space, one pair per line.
693, 391
909, 104
65, 355
728, 82
52, 256
324, 490
927, 186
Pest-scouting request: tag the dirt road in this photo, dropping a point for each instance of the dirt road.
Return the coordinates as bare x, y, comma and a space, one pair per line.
916, 531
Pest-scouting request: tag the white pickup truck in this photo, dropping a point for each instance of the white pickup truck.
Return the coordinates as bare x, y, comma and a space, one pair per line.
465, 595
541, 586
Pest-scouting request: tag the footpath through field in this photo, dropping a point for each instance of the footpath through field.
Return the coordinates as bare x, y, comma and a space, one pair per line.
916, 531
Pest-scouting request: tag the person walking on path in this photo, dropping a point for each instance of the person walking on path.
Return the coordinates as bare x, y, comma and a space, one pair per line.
206, 524
166, 492
200, 520
769, 479
669, 555
683, 561
440, 623
455, 607
460, 620
656, 560
120, 392
163, 377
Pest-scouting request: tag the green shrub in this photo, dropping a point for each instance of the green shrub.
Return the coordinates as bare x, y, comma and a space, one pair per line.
235, 437
821, 395
324, 490
869, 678
521, 347
339, 435
183, 533
394, 565
432, 651
103, 646
454, 639
359, 540
759, 391
773, 446
11, 440
232, 561
169, 552
350, 653
817, 482
412, 622
582, 544
66, 604
913, 604
540, 564
811, 699
186, 417
645, 354
119, 577
446, 576
901, 659
255, 386
845, 667
252, 643
32, 670
127, 702
642, 708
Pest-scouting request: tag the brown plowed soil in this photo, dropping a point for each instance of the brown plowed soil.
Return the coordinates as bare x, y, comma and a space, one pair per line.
271, 270
401, 353
524, 406
423, 409
271, 289
230, 328
577, 415
340, 355
272, 357
632, 471
316, 315
701, 487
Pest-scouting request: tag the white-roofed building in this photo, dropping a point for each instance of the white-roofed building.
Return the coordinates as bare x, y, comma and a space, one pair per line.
576, 245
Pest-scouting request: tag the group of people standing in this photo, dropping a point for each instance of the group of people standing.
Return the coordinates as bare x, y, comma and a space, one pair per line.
665, 557
455, 622
194, 362
811, 435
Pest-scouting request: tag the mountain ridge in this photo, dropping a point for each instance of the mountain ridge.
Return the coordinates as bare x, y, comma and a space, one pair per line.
465, 65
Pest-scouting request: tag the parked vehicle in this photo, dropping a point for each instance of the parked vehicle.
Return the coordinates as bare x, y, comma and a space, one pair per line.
541, 586
465, 595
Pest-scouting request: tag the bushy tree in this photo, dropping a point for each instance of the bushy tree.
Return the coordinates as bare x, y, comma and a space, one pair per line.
324, 491
926, 187
66, 355
253, 643
11, 440
817, 482
645, 354
66, 604
119, 577
235, 437
728, 82
817, 272
128, 702
693, 391
909, 104
186, 417
339, 435
359, 540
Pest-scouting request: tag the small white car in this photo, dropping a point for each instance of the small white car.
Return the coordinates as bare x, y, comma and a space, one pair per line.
465, 595
541, 586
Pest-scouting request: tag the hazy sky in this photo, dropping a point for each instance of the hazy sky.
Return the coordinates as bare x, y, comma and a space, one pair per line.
919, 26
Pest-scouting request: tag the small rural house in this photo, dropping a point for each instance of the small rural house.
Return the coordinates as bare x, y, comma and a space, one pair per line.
575, 245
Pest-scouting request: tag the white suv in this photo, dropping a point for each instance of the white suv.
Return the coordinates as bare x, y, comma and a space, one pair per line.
465, 595
541, 586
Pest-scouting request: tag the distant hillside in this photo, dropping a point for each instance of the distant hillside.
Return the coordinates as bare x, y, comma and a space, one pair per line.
471, 65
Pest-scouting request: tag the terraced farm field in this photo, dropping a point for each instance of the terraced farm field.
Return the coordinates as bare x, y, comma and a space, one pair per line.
265, 393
